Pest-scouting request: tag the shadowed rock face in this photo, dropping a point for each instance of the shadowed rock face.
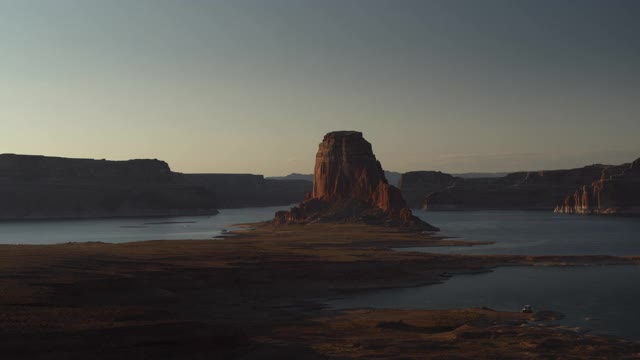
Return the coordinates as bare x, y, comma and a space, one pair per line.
248, 190
539, 190
42, 187
349, 186
417, 185
616, 192
39, 168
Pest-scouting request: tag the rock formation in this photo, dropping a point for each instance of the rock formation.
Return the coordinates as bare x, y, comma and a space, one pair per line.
34, 187
616, 192
48, 168
535, 190
349, 186
417, 185
41, 187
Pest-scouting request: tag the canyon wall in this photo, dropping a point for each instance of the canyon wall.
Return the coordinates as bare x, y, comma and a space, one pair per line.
40, 187
616, 192
534, 190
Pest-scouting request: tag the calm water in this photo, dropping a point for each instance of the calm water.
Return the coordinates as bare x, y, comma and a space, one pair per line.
536, 232
124, 230
604, 299
601, 298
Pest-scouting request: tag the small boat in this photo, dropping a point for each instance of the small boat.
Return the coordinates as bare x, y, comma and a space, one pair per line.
527, 309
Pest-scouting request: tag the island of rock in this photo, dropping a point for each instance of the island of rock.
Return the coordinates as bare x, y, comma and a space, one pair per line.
349, 185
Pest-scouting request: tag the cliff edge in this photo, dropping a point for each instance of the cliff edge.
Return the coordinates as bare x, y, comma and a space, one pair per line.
616, 192
43, 187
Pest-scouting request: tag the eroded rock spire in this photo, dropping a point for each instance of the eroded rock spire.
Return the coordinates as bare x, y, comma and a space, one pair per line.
349, 186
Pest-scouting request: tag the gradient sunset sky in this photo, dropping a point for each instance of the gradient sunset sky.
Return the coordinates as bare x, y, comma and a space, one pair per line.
252, 86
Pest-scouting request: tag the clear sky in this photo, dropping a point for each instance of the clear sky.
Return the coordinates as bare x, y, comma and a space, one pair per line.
252, 86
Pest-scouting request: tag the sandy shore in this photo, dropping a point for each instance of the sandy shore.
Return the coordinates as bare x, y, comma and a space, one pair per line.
260, 294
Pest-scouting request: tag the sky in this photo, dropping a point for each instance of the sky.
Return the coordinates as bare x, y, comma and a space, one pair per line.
251, 86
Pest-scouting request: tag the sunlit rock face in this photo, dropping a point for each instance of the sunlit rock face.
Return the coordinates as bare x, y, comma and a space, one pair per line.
613, 193
349, 186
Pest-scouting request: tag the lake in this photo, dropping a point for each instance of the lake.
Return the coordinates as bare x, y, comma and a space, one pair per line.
118, 230
602, 298
536, 232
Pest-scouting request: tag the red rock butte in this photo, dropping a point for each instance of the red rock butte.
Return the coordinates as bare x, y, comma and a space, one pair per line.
349, 186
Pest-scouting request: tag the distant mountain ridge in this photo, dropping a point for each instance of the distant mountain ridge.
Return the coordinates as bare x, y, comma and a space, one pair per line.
42, 187
539, 190
393, 177
480, 175
35, 187
616, 192
292, 176
45, 187
249, 190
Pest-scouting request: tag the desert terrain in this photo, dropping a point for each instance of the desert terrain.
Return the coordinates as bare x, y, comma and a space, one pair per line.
260, 293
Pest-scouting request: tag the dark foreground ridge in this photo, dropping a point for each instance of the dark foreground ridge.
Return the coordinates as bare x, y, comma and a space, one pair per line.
349, 185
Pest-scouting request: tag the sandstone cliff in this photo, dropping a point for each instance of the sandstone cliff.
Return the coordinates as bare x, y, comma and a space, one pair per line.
349, 185
616, 192
541, 190
33, 187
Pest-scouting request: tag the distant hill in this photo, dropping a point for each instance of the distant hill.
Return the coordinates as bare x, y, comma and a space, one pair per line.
248, 190
479, 175
392, 177
43, 187
540, 190
293, 176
